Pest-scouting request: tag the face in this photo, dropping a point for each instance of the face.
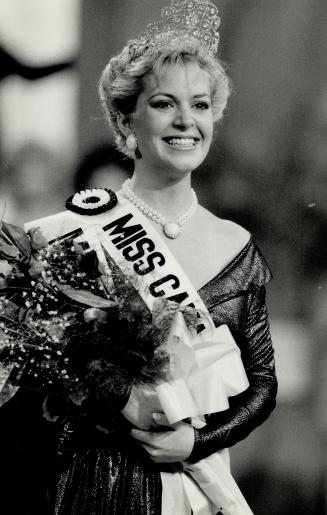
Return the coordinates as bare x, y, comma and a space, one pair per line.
173, 120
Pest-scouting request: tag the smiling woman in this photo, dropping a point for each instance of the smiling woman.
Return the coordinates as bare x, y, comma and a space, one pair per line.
173, 120
127, 453
119, 92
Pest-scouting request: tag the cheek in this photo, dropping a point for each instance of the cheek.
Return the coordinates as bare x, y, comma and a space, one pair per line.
146, 131
206, 125
150, 122
209, 132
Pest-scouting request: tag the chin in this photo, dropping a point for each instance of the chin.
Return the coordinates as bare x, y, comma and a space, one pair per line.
188, 165
184, 162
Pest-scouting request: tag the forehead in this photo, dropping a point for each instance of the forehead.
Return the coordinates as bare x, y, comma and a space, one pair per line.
178, 80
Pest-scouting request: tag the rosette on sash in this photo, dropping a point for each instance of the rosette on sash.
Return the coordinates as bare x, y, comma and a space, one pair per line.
205, 370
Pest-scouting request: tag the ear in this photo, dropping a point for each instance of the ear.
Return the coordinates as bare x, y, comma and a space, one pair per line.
124, 122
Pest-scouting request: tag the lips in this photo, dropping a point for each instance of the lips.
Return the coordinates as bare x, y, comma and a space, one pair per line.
181, 141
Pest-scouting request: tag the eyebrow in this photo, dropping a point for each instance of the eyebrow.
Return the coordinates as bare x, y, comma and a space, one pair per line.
199, 95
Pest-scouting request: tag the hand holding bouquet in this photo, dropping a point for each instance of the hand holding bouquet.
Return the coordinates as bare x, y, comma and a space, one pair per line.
69, 327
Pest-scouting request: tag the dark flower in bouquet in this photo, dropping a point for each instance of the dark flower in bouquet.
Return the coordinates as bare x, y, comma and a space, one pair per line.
66, 326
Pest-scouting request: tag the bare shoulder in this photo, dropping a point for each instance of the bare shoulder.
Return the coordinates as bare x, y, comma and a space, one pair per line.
231, 236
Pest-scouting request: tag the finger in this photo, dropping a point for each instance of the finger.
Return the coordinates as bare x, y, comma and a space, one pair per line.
153, 453
148, 449
142, 436
161, 419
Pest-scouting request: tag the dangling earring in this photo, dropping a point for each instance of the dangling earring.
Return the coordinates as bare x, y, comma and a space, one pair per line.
131, 142
138, 154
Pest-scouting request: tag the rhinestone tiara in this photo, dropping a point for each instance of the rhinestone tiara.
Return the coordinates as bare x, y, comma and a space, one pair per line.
181, 20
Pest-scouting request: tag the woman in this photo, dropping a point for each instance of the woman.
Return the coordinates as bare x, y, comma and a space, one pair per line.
162, 95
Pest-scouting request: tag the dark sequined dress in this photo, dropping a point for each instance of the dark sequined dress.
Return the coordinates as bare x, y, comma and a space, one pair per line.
103, 472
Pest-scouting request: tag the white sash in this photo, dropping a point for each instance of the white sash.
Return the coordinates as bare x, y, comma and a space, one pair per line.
212, 367
135, 246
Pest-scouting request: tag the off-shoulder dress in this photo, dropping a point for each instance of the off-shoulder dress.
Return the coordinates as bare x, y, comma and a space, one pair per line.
102, 473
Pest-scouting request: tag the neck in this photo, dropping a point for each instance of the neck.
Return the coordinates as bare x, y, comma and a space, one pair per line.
169, 196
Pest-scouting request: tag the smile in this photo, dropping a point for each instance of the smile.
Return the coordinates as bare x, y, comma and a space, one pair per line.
181, 143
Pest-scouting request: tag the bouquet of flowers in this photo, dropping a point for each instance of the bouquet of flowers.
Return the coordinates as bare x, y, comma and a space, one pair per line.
65, 324
72, 323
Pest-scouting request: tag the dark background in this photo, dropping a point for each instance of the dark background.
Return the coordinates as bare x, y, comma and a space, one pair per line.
267, 170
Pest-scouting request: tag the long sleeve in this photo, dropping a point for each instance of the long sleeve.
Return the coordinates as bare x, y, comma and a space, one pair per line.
252, 407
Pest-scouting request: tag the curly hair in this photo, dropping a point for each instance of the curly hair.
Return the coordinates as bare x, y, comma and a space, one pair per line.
122, 80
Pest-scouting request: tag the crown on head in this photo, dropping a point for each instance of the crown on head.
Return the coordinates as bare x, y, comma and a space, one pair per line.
182, 20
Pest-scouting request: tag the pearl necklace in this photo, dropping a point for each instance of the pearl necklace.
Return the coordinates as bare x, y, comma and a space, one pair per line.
171, 228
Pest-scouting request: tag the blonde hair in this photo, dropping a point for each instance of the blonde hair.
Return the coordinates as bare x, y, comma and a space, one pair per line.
121, 81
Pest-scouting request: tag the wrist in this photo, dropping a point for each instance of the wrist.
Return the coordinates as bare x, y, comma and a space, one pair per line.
197, 445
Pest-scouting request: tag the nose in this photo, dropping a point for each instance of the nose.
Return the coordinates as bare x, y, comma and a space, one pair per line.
184, 118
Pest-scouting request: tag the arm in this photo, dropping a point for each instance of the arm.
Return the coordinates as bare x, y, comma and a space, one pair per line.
250, 408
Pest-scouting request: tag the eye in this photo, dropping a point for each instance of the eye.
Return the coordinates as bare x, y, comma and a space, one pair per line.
202, 105
161, 104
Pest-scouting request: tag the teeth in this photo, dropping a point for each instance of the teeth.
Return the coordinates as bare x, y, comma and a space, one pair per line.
181, 141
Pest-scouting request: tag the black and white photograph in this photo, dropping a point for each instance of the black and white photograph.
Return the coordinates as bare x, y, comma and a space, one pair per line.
163, 257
